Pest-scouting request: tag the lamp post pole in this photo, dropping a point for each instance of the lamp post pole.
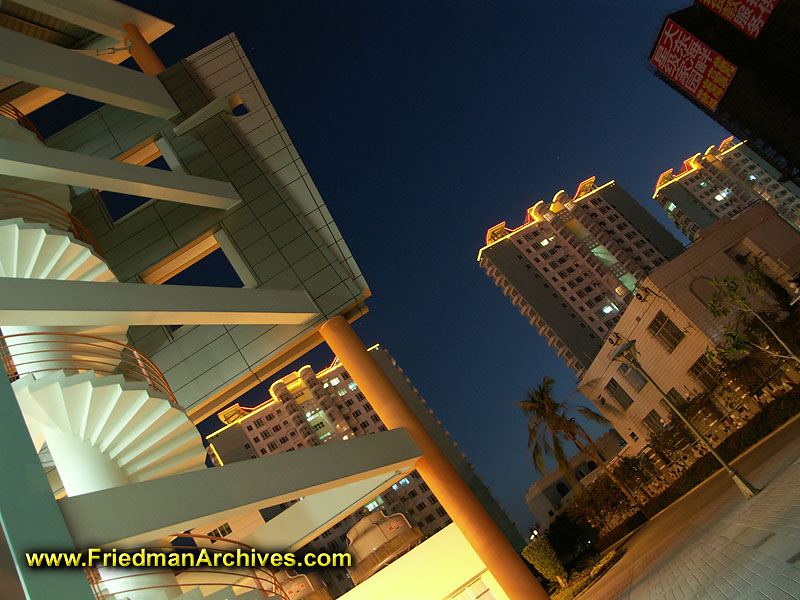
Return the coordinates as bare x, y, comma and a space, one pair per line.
627, 354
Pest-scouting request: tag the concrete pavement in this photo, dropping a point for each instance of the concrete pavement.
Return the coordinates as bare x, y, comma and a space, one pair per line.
714, 545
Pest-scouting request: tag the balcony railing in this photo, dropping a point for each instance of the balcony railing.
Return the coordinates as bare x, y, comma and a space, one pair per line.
39, 353
241, 580
14, 204
10, 111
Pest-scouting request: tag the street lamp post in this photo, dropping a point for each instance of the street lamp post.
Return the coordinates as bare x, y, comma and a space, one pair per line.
627, 354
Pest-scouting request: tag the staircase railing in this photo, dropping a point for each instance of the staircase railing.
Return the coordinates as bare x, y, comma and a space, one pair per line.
12, 112
257, 578
14, 204
38, 353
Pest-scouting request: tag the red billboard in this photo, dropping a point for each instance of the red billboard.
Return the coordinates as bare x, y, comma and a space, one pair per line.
691, 64
748, 15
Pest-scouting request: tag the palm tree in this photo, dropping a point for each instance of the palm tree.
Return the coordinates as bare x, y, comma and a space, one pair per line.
551, 422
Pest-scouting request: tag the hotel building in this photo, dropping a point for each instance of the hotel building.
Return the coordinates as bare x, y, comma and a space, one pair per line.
184, 174
722, 182
572, 267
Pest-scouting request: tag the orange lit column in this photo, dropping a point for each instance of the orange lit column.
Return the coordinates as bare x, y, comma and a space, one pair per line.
455, 496
141, 51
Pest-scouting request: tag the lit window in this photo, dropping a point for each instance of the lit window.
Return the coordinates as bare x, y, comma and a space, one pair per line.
752, 177
335, 381
670, 207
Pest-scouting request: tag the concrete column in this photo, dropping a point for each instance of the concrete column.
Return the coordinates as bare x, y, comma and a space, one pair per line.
455, 496
141, 51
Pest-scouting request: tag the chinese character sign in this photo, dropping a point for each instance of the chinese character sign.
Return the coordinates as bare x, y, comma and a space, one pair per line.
692, 65
748, 15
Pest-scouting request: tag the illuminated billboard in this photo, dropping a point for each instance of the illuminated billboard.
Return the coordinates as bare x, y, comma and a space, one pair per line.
691, 64
748, 15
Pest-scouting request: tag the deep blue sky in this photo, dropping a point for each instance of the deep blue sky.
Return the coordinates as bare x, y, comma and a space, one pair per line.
425, 123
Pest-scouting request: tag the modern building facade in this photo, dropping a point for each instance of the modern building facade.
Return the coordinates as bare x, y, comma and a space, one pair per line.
307, 409
572, 267
111, 361
550, 495
721, 182
738, 62
672, 326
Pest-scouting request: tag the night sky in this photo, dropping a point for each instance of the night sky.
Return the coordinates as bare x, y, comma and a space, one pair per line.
425, 123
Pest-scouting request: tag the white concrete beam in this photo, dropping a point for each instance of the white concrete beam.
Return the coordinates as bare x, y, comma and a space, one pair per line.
82, 303
28, 59
304, 520
161, 507
102, 16
31, 161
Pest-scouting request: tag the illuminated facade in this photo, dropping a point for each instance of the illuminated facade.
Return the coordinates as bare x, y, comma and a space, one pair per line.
722, 182
673, 328
744, 76
574, 264
308, 409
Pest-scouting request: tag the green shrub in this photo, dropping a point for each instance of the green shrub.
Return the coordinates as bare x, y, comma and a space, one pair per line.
544, 559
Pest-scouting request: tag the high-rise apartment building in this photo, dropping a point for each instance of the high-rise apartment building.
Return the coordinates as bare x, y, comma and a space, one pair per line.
307, 409
573, 265
739, 63
722, 182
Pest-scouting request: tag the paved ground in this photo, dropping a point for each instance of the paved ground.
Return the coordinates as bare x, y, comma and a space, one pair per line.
714, 545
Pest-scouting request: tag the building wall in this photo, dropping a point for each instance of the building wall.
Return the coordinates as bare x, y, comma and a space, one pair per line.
281, 236
572, 266
462, 577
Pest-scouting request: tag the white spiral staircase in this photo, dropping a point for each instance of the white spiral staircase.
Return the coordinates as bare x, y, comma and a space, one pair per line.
98, 411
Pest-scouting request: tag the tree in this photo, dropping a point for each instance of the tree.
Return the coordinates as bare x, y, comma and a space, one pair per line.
550, 423
635, 471
732, 296
545, 560
670, 441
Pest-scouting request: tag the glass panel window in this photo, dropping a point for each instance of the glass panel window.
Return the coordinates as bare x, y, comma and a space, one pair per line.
636, 380
704, 371
618, 393
665, 331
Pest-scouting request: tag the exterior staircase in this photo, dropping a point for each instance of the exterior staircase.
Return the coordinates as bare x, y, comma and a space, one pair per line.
100, 414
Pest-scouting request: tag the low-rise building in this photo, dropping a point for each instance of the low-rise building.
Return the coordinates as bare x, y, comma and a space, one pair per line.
550, 495
670, 321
